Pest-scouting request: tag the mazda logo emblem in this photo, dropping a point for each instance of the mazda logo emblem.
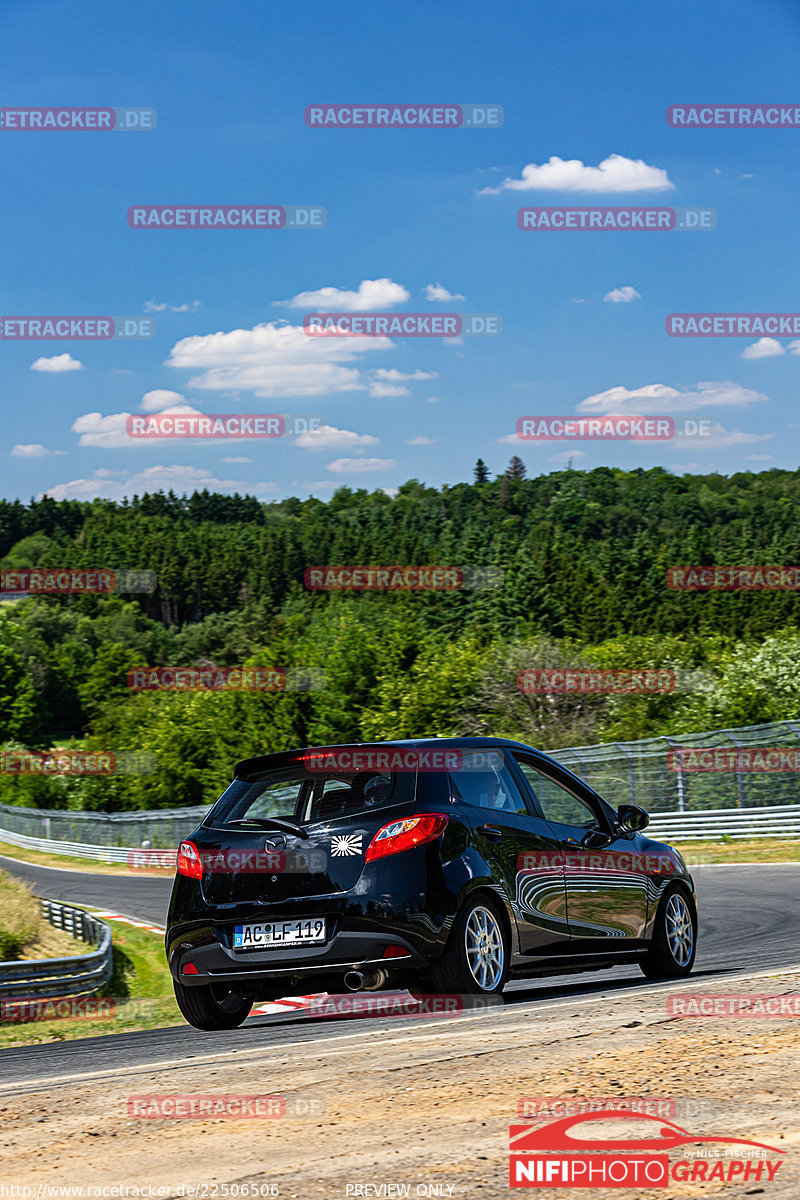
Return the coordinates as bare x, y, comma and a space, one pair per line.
275, 841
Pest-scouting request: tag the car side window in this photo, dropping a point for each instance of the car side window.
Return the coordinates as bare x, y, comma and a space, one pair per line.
558, 805
489, 787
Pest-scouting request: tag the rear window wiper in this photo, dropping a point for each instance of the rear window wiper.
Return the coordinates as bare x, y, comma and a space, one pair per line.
272, 823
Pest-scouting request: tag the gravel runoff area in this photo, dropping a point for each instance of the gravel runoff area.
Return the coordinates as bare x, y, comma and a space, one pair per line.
426, 1104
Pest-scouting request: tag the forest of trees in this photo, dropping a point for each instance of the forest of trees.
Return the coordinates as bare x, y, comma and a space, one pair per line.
583, 557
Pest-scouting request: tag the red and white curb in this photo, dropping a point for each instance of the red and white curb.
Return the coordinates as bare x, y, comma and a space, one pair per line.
112, 916
288, 1003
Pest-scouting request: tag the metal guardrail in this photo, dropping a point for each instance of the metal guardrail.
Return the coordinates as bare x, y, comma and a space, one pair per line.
76, 976
781, 821
648, 772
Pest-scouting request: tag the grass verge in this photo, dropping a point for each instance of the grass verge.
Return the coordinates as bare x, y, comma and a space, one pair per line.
141, 990
738, 850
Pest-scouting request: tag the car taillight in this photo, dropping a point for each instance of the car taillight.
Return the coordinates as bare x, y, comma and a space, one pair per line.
189, 862
402, 835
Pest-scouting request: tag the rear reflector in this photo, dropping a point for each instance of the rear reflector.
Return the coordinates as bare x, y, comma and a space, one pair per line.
395, 952
189, 969
405, 833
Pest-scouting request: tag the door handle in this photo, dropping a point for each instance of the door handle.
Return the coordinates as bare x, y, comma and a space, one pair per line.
491, 832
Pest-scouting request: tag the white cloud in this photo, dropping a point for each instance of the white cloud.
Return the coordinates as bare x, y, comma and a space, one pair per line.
238, 458
435, 291
391, 492
328, 437
724, 439
622, 295
377, 294
160, 399
757, 457
274, 359
378, 390
390, 382
658, 398
30, 450
765, 347
56, 364
110, 433
421, 440
511, 439
341, 466
434, 399
614, 174
794, 347
179, 478
393, 376
578, 300
151, 306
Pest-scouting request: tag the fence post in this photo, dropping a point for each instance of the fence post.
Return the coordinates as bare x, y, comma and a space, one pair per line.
681, 784
739, 781
631, 772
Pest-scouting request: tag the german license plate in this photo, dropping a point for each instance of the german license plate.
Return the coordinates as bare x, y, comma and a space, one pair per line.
273, 935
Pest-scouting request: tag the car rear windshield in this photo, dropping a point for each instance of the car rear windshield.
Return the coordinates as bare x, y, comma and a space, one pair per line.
302, 796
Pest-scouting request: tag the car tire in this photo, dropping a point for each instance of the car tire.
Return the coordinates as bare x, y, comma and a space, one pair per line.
674, 943
212, 1006
475, 961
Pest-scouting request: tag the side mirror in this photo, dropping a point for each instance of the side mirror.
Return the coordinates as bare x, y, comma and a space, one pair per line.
632, 818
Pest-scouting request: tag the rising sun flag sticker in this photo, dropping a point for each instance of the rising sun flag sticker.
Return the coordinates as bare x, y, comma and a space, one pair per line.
346, 844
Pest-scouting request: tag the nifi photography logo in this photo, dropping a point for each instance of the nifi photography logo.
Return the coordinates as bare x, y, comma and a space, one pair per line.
553, 1155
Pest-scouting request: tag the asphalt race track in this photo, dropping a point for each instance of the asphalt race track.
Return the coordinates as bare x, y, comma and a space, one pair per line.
746, 925
143, 897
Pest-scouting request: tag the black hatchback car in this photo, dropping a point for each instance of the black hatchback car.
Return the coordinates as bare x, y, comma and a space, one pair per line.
439, 865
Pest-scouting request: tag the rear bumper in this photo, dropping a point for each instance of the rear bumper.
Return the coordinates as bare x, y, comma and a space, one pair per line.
216, 962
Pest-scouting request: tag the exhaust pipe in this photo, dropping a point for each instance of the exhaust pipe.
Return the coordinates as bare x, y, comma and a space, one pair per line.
366, 981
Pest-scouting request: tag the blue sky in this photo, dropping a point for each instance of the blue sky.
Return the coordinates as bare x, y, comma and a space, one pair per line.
414, 208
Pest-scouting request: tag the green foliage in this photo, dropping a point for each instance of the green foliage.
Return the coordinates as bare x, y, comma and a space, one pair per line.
584, 555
